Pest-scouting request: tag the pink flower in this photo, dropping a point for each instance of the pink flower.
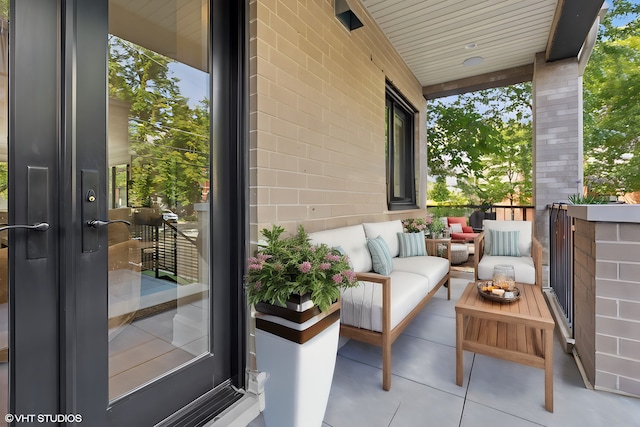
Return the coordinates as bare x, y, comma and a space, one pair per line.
258, 285
305, 267
337, 278
325, 266
350, 275
333, 258
263, 257
255, 266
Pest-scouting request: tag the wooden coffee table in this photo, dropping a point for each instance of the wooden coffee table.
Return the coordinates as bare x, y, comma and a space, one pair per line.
521, 332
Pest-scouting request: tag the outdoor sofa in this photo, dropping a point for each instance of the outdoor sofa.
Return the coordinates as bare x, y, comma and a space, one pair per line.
380, 308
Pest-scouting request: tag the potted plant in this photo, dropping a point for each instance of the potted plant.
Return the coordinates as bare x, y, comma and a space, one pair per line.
415, 225
295, 288
436, 227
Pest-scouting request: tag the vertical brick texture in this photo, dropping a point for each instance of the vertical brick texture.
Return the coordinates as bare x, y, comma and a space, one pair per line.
317, 109
557, 136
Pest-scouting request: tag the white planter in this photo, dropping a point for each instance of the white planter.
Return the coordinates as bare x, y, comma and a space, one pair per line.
300, 374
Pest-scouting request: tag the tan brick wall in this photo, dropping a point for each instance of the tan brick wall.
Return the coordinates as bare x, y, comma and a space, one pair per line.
317, 109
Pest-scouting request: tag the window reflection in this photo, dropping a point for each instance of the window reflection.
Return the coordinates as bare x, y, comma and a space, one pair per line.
158, 175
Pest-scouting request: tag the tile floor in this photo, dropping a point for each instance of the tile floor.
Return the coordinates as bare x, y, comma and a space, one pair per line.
495, 393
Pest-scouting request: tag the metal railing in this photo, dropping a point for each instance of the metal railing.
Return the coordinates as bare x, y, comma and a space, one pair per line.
498, 212
561, 258
167, 251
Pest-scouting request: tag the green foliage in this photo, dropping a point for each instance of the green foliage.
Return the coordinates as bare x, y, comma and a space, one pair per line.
436, 226
444, 211
288, 266
611, 105
589, 199
479, 136
508, 173
439, 192
169, 139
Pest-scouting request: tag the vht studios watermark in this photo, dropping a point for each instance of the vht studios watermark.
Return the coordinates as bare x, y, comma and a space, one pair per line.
43, 418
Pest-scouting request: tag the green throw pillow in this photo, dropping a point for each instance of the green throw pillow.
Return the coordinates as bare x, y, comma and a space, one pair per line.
504, 243
380, 256
412, 244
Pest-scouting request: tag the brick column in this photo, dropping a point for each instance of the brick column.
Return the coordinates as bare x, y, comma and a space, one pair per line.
557, 141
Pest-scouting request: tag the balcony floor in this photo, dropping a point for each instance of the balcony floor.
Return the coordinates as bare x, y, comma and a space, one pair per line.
424, 392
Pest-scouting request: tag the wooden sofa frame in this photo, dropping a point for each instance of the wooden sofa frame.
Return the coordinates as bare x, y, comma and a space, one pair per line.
536, 254
387, 337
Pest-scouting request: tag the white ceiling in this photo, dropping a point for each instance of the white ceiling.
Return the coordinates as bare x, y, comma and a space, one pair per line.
431, 35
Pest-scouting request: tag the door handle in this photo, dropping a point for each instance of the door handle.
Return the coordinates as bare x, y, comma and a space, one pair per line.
97, 223
42, 226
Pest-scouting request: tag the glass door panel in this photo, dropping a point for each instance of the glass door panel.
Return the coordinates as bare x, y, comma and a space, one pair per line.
158, 178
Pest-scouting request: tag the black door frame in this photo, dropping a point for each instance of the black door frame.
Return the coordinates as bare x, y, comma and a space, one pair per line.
33, 131
64, 117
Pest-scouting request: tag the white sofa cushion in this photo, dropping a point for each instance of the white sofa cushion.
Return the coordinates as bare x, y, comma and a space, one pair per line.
352, 240
431, 267
362, 306
524, 239
523, 266
388, 230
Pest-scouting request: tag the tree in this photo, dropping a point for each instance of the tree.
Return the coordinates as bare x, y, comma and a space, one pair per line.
612, 105
169, 139
478, 136
439, 191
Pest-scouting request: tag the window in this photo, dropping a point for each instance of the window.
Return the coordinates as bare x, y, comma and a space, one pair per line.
399, 149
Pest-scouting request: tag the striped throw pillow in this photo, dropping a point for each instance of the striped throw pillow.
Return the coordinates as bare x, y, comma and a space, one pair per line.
380, 256
412, 244
504, 243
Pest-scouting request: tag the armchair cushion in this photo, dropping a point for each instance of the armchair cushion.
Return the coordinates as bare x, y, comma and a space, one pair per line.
505, 243
467, 229
380, 256
456, 227
523, 266
456, 220
524, 238
412, 244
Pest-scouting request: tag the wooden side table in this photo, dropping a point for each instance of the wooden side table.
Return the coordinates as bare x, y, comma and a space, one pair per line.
433, 244
521, 332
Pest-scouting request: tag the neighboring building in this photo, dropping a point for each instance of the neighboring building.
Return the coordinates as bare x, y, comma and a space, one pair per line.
305, 122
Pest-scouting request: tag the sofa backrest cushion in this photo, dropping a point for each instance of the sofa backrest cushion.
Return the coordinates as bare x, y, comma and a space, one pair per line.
353, 242
388, 230
524, 237
462, 220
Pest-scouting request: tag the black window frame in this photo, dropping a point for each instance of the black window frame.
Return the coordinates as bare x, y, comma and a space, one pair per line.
395, 102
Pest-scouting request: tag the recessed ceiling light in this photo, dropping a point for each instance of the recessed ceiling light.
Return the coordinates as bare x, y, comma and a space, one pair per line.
470, 46
474, 60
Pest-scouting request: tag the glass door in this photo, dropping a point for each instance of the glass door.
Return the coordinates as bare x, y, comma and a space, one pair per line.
117, 311
158, 180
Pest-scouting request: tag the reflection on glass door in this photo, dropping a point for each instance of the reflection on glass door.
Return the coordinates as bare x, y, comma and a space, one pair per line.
4, 197
158, 179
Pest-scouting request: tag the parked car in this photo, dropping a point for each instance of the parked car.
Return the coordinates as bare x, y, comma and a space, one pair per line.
169, 216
